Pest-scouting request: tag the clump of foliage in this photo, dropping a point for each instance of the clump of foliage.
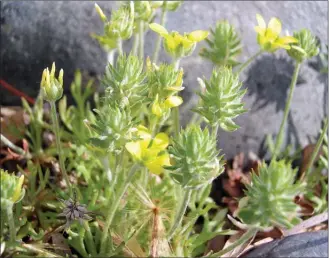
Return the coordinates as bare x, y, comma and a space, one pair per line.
125, 178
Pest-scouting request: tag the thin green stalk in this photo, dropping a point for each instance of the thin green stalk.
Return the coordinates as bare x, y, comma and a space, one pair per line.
120, 46
110, 56
11, 223
316, 150
215, 130
135, 44
159, 39
11, 145
58, 144
243, 239
180, 213
279, 139
89, 239
244, 65
115, 206
141, 39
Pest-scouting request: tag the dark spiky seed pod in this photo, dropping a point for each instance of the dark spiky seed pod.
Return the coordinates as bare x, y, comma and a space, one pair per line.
224, 45
306, 47
270, 197
221, 100
195, 158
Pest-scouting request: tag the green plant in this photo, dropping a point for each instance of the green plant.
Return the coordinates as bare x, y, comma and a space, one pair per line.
224, 46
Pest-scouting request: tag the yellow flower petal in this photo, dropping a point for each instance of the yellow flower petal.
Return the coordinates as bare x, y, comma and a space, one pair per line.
143, 132
158, 29
173, 101
187, 43
155, 166
175, 88
261, 22
260, 31
287, 40
271, 35
275, 25
134, 149
161, 141
198, 35
171, 42
278, 45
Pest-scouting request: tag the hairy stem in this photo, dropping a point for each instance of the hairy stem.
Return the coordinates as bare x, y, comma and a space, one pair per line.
245, 65
180, 213
58, 144
159, 39
115, 206
279, 138
243, 239
141, 39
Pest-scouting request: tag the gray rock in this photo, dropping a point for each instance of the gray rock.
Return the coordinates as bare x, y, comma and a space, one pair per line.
34, 34
310, 244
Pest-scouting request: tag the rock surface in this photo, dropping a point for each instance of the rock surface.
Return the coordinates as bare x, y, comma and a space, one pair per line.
34, 34
310, 244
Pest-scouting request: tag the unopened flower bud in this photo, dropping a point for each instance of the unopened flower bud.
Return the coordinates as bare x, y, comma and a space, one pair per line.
52, 88
306, 47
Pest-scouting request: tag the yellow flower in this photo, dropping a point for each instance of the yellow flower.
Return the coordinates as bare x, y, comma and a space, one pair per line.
269, 36
159, 109
178, 45
151, 152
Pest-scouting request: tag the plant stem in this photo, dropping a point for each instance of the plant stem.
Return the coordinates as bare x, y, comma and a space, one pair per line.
36, 249
119, 46
176, 64
180, 213
316, 151
141, 39
11, 145
215, 130
159, 39
11, 223
89, 241
115, 206
135, 44
110, 56
244, 238
58, 144
279, 139
176, 109
244, 65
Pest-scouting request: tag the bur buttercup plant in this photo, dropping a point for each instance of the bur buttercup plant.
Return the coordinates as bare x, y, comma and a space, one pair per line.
131, 180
